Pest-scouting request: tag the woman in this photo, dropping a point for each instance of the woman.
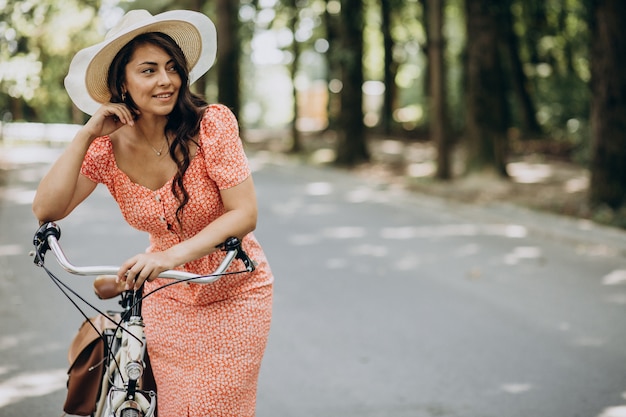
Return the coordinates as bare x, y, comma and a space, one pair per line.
176, 167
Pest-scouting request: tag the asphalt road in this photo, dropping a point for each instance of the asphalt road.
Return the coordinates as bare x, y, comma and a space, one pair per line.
387, 304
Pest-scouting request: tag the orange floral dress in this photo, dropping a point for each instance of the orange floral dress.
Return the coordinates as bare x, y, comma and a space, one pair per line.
205, 341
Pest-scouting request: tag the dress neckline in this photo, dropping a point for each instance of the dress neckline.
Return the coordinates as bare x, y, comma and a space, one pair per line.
141, 186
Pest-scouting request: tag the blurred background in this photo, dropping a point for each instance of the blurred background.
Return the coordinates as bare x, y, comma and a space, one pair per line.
473, 98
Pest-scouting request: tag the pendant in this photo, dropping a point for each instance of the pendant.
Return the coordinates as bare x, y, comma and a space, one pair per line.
158, 153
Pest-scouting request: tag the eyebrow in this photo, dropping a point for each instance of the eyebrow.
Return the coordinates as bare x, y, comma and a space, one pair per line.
154, 63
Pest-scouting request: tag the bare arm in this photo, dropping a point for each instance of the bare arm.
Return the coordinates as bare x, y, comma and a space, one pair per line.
63, 187
238, 220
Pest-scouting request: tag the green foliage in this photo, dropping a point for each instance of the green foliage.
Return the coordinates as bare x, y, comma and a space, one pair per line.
37, 39
555, 41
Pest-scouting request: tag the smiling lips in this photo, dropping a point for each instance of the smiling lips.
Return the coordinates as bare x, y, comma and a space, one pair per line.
164, 95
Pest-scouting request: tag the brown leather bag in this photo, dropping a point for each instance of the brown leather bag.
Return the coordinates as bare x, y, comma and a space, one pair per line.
86, 357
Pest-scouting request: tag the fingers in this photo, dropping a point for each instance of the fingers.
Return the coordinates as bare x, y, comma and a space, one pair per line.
109, 118
118, 112
134, 272
134, 277
132, 280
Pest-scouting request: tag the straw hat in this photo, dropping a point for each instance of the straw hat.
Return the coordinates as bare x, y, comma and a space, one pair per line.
86, 81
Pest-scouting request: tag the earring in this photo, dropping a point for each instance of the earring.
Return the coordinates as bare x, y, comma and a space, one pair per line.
123, 96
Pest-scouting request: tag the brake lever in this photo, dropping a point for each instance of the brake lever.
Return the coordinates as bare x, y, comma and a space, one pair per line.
233, 243
40, 240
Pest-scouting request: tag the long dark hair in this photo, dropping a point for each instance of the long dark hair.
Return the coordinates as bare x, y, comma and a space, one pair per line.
183, 122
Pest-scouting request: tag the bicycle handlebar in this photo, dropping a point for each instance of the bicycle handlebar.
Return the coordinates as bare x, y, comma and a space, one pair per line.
48, 235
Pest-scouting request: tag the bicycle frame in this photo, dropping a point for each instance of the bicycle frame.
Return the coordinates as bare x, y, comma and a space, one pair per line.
121, 393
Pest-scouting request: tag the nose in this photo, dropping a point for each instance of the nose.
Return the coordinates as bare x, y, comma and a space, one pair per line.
164, 77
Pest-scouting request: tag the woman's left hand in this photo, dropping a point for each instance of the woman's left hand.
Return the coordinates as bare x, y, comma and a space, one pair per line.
143, 267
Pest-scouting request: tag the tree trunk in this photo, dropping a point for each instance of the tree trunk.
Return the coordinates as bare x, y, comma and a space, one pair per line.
390, 68
227, 23
536, 22
332, 23
296, 144
608, 106
486, 121
436, 64
352, 147
520, 83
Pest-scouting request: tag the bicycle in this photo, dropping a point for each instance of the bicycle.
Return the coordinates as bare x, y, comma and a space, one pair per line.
124, 361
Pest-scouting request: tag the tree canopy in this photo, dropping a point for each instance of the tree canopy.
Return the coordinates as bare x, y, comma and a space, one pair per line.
471, 73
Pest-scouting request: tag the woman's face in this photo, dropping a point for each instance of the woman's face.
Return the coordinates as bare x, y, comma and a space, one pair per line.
152, 80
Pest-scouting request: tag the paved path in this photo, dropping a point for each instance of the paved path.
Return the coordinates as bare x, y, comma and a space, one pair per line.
387, 304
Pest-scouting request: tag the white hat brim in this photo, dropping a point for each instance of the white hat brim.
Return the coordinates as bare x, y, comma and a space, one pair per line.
195, 34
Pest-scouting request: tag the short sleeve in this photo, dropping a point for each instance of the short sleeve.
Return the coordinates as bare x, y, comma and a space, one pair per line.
226, 161
97, 159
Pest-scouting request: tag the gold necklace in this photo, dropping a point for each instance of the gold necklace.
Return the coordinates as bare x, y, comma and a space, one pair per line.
158, 152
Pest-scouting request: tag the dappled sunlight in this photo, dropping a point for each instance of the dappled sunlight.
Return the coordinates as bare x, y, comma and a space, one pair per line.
337, 263
406, 263
360, 195
323, 156
345, 232
467, 250
12, 250
529, 173
367, 194
318, 209
376, 251
421, 169
614, 278
619, 411
408, 232
17, 195
304, 240
516, 388
319, 188
576, 185
522, 253
45, 348
288, 208
58, 133
9, 341
393, 147
584, 341
454, 230
12, 341
589, 341
25, 342
31, 384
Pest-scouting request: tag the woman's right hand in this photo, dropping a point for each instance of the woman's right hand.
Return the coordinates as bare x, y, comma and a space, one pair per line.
63, 188
107, 119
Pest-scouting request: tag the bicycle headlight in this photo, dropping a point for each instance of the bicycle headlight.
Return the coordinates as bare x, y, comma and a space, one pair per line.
134, 370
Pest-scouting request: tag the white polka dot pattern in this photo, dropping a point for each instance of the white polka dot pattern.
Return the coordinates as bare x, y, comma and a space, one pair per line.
205, 341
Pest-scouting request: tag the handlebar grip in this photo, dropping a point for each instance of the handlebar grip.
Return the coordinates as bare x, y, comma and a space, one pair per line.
40, 240
234, 244
46, 230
